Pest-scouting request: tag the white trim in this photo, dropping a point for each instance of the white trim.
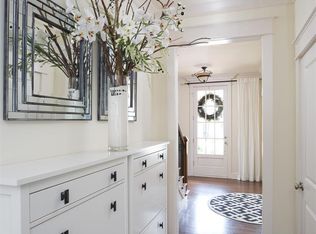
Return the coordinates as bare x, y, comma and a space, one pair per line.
262, 29
172, 131
267, 129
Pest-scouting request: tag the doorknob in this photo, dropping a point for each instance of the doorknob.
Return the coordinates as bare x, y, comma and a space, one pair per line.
299, 186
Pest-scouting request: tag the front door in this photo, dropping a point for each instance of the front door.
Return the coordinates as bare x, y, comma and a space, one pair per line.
211, 129
307, 142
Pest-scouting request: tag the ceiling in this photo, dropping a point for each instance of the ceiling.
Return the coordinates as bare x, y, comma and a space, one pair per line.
236, 57
200, 7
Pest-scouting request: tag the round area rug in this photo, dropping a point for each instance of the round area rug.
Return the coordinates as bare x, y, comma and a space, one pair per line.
244, 207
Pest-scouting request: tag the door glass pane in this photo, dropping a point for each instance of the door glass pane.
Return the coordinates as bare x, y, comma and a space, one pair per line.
219, 114
210, 146
201, 146
220, 93
209, 110
219, 130
199, 118
200, 94
209, 130
209, 102
201, 130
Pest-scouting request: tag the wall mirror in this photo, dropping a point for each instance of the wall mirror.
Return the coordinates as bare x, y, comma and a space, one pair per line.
47, 72
103, 92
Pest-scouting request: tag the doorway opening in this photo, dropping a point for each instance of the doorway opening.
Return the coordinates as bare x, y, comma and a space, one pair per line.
223, 121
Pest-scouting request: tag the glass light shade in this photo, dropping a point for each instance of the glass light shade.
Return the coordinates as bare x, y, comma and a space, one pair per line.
203, 75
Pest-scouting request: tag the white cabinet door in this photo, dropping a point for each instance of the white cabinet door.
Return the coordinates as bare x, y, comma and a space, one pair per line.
149, 196
105, 213
307, 142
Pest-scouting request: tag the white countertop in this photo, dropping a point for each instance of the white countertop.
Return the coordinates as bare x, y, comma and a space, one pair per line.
35, 170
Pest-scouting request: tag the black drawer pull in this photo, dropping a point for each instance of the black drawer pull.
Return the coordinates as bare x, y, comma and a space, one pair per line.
161, 225
113, 206
114, 176
144, 163
144, 186
64, 196
161, 175
65, 232
161, 156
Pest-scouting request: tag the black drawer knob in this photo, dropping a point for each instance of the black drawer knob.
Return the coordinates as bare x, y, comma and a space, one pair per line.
113, 206
161, 175
64, 196
144, 163
161, 156
114, 176
65, 232
144, 186
161, 225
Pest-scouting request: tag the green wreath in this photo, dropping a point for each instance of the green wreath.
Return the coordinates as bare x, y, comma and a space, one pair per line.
218, 102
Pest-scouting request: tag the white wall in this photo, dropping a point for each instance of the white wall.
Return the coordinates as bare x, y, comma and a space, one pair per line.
26, 140
283, 103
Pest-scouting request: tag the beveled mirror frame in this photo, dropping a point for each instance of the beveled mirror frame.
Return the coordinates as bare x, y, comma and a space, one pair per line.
20, 101
103, 86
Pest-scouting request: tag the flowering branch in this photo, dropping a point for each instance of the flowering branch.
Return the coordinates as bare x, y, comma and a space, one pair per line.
129, 38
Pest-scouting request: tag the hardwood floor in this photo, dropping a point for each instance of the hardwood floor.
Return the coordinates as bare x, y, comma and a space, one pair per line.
197, 218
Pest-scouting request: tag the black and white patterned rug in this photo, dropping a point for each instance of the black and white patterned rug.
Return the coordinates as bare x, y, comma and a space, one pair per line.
244, 207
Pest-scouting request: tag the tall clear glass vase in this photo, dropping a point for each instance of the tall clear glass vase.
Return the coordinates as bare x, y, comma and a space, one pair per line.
117, 113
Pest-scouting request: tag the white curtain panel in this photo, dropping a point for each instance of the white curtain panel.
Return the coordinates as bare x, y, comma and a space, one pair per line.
249, 129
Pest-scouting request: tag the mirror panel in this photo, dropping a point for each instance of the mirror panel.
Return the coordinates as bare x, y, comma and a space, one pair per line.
47, 73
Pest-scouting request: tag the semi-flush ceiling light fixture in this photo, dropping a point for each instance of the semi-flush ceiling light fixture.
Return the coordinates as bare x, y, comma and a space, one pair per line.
203, 75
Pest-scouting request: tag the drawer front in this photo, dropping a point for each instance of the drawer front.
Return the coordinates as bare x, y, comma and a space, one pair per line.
51, 199
149, 196
146, 161
105, 213
158, 225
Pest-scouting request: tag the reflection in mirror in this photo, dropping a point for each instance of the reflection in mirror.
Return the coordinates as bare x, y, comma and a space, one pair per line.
103, 97
103, 91
53, 53
47, 72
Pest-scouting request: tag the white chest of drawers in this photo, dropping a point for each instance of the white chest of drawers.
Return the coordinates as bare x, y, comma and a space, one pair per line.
82, 193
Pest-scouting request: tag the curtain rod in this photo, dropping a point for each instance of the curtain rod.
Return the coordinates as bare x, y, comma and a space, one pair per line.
210, 82
213, 82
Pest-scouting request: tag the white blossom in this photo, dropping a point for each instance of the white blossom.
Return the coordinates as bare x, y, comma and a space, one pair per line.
171, 11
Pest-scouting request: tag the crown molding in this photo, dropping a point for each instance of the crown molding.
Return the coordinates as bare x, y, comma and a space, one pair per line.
204, 7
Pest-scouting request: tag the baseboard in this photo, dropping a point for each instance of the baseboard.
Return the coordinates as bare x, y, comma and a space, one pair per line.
234, 176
